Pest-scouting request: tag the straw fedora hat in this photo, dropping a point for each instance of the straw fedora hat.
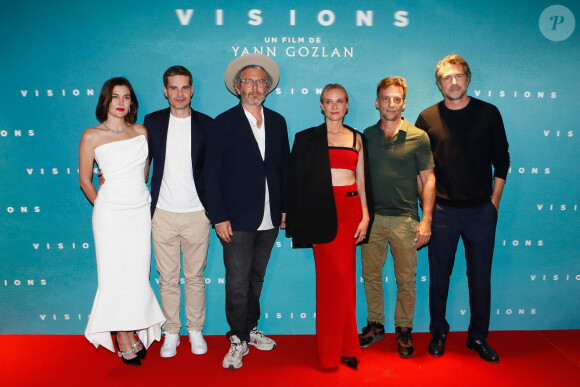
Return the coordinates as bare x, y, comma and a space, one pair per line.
252, 59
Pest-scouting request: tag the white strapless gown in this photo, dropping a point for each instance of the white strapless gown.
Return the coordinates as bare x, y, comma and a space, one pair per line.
122, 229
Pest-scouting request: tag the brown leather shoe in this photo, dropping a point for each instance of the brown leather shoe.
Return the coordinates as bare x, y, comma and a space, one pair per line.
404, 342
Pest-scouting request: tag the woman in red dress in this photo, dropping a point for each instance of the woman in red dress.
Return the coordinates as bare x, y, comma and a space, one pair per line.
327, 209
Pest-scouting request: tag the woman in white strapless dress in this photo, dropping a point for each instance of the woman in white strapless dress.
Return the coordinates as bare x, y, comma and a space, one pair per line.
125, 302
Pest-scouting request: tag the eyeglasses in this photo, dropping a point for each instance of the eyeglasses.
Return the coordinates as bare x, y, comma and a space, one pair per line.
251, 82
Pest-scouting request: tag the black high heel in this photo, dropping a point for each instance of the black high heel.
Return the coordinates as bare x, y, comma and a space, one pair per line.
143, 352
134, 361
350, 362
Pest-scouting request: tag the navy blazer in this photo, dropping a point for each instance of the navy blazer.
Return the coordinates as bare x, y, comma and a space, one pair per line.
157, 125
235, 173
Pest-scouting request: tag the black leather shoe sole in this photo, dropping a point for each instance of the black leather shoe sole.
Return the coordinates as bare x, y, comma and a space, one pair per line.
365, 342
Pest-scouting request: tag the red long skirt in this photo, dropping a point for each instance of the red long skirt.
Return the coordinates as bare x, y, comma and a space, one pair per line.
336, 330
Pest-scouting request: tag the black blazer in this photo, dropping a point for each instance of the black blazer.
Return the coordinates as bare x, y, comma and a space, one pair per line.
311, 210
235, 174
157, 125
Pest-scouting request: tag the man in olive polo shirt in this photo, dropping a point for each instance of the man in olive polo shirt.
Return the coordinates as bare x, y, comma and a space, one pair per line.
400, 160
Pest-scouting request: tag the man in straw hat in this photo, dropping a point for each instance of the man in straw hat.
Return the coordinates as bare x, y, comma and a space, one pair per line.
245, 172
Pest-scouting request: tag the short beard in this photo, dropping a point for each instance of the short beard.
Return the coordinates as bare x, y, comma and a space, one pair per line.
454, 98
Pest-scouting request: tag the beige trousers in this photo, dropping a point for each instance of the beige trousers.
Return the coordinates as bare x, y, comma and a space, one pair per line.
399, 232
188, 232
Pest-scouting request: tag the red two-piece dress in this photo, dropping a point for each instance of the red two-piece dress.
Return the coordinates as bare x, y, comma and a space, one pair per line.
336, 329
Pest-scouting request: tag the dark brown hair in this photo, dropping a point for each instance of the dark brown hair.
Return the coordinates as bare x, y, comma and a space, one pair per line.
106, 96
177, 70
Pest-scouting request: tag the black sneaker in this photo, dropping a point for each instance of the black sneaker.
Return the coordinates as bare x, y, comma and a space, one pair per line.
372, 333
404, 342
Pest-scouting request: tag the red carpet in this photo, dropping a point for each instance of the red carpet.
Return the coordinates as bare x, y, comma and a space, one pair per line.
535, 358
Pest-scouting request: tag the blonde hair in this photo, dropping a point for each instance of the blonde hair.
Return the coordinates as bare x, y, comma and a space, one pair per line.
332, 86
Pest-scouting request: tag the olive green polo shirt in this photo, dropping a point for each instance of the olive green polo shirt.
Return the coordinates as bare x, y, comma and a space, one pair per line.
394, 166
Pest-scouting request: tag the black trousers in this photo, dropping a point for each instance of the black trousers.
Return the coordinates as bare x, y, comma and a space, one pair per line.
476, 227
246, 258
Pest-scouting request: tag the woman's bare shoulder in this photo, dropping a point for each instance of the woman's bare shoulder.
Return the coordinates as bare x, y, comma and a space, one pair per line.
93, 136
140, 129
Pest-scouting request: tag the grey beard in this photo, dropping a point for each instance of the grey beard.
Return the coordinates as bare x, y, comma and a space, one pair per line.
254, 103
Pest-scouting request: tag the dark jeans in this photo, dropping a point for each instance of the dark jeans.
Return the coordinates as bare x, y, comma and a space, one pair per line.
476, 227
246, 258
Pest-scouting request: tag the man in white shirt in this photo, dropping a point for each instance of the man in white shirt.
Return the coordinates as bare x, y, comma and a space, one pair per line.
245, 173
179, 224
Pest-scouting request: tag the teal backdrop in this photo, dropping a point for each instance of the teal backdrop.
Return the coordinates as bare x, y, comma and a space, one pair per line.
524, 56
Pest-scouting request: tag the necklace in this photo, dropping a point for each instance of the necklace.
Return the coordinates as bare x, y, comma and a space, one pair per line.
115, 131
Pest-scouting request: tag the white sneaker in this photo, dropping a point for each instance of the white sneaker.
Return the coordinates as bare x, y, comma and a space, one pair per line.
238, 349
261, 341
198, 344
169, 347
